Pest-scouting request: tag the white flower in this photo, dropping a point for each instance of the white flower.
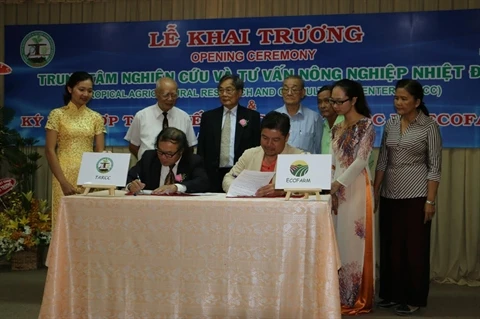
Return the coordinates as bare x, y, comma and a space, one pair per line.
28, 230
45, 237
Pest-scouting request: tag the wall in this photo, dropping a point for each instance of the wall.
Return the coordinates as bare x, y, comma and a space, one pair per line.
458, 203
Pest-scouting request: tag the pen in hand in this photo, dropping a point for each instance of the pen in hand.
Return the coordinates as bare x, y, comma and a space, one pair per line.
138, 178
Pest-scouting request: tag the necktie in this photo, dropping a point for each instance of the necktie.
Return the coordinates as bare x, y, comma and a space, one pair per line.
225, 141
170, 178
165, 120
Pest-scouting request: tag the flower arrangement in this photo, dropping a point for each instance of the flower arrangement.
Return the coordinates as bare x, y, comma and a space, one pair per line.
24, 223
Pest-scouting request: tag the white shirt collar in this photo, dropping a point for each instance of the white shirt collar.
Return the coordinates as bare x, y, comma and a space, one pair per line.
159, 112
233, 111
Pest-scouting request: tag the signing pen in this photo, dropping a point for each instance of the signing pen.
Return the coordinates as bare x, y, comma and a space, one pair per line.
138, 177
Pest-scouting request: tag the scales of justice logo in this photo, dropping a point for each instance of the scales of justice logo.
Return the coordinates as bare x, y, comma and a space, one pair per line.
104, 165
37, 49
299, 168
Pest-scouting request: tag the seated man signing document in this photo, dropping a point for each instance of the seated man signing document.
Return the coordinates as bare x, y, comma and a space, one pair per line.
169, 168
274, 128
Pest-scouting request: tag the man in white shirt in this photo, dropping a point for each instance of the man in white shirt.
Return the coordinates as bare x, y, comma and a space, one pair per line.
306, 125
150, 121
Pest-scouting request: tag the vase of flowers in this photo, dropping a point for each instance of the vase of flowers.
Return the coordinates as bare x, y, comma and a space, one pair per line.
25, 228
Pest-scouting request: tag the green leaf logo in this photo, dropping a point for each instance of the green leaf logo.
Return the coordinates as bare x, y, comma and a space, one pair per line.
299, 168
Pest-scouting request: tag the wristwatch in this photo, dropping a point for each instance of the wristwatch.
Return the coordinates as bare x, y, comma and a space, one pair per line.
430, 202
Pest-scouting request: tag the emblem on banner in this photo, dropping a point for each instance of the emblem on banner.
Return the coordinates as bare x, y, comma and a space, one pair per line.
37, 49
299, 168
104, 165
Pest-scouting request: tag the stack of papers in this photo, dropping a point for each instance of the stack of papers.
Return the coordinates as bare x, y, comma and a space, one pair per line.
248, 182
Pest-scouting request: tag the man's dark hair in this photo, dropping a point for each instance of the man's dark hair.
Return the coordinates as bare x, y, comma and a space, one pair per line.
174, 136
237, 81
276, 121
325, 88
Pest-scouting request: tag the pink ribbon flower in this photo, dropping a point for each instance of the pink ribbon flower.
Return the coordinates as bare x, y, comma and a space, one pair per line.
179, 177
243, 122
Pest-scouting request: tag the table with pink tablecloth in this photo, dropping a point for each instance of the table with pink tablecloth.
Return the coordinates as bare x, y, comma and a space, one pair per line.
191, 257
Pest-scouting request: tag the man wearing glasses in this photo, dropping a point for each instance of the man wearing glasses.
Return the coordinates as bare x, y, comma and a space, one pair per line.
170, 168
330, 117
227, 131
148, 122
306, 125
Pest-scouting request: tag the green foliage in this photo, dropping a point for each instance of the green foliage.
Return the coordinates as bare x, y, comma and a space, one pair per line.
18, 152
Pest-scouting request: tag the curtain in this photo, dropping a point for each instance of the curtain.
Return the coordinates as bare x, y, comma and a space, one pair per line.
455, 241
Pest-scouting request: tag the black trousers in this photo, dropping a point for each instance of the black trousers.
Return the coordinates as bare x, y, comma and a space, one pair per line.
404, 251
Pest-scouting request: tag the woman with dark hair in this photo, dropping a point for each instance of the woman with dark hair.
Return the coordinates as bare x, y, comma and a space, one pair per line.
70, 131
352, 196
406, 183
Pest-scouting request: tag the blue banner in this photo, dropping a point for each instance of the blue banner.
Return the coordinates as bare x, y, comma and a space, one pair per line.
440, 49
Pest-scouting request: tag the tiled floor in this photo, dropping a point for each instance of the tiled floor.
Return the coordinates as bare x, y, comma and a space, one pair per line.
21, 296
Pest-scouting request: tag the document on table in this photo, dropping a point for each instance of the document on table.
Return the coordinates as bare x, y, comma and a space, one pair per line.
248, 182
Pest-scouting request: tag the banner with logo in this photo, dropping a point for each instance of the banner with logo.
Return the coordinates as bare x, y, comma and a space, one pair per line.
440, 49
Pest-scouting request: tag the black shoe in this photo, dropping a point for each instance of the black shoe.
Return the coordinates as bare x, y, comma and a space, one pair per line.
405, 310
386, 304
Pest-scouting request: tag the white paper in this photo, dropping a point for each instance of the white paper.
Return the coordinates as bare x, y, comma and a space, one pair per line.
248, 182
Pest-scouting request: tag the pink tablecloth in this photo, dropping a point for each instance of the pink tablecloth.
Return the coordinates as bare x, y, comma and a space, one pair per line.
192, 257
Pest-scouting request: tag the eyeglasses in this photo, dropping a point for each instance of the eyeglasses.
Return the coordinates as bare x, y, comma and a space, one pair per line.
320, 101
294, 91
169, 95
338, 102
167, 155
228, 91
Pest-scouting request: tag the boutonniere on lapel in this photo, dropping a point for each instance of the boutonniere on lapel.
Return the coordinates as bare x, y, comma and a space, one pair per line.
243, 122
180, 177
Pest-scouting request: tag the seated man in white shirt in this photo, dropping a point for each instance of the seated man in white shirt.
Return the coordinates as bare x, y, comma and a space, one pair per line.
170, 168
148, 122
